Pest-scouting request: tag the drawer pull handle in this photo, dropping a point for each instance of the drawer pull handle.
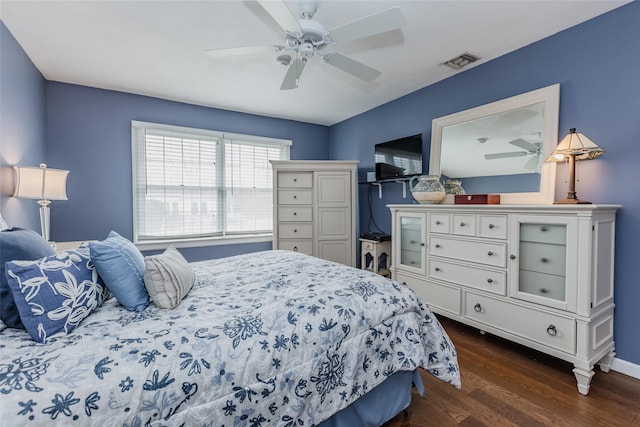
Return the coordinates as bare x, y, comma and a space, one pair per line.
477, 307
295, 230
489, 280
295, 179
295, 197
422, 244
438, 223
491, 226
490, 253
551, 330
295, 213
512, 256
295, 249
462, 224
437, 268
544, 229
543, 291
437, 246
545, 260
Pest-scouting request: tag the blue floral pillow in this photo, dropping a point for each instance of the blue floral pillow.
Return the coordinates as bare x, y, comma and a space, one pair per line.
54, 294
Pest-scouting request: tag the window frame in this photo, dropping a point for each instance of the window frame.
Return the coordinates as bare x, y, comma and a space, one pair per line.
182, 242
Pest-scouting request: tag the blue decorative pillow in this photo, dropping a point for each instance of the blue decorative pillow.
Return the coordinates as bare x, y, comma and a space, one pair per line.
53, 294
121, 266
22, 245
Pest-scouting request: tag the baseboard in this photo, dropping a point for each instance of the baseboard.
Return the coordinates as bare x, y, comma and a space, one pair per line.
626, 368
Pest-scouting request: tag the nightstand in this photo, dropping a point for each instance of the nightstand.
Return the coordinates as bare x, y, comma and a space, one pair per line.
63, 246
376, 256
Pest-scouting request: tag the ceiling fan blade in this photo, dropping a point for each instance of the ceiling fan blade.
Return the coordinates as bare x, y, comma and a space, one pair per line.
387, 20
247, 50
293, 74
505, 155
532, 163
351, 66
281, 14
525, 145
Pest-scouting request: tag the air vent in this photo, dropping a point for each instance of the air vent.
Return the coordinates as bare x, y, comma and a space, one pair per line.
461, 61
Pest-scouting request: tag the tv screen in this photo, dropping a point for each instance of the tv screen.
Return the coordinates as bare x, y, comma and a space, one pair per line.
399, 158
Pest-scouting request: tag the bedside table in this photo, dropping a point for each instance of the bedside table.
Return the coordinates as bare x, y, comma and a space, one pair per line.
63, 246
374, 254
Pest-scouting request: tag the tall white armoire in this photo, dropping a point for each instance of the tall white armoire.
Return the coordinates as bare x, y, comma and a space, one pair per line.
314, 208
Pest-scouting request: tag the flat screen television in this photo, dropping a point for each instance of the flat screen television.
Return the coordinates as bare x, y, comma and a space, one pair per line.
399, 158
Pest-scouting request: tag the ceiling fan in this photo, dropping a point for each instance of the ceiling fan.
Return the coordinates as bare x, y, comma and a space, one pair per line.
306, 37
530, 149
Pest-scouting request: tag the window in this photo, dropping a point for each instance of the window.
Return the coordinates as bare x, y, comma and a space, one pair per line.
197, 184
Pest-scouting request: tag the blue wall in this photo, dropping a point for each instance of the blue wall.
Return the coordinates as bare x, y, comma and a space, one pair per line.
89, 133
597, 65
22, 127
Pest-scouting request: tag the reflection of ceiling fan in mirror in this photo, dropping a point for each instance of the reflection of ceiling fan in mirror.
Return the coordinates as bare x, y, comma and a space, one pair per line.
306, 37
530, 149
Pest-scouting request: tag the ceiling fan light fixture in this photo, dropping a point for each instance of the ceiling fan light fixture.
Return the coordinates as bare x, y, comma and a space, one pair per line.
284, 60
461, 61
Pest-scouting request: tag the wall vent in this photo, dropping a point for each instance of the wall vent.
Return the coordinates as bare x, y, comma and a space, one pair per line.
461, 61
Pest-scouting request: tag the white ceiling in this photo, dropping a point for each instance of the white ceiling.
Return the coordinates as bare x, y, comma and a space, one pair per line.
157, 48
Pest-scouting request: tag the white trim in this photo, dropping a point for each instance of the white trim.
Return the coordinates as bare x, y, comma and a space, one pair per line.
627, 368
199, 243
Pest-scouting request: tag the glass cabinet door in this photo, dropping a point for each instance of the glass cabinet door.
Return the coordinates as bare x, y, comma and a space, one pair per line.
541, 264
411, 229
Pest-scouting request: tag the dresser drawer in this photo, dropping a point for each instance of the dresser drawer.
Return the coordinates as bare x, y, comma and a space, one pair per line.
290, 231
411, 258
543, 285
479, 278
493, 226
542, 327
439, 223
444, 297
543, 257
295, 179
463, 225
297, 245
294, 197
293, 214
489, 253
544, 233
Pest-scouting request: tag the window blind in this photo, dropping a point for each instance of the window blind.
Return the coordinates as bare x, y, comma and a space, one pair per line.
192, 183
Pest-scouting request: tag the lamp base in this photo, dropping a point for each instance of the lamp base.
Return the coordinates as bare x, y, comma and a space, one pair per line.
571, 202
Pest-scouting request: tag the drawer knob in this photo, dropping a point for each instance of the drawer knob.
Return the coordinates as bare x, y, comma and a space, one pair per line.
543, 291
512, 256
489, 280
544, 229
413, 242
295, 179
437, 268
477, 307
490, 253
422, 244
462, 224
438, 223
491, 226
545, 260
295, 213
437, 246
295, 249
295, 230
295, 197
551, 330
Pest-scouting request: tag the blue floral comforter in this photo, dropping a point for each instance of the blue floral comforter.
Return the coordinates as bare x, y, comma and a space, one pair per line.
269, 338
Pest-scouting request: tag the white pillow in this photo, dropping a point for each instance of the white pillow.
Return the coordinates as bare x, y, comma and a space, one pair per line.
3, 224
168, 278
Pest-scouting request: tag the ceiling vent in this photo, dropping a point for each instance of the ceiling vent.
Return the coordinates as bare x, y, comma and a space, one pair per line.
461, 61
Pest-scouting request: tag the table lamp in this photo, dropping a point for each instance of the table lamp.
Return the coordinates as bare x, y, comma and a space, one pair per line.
43, 184
574, 146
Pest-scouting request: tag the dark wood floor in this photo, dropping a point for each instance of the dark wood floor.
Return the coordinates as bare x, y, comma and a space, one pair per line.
505, 384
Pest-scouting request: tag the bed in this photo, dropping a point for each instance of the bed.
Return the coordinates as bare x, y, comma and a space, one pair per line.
269, 338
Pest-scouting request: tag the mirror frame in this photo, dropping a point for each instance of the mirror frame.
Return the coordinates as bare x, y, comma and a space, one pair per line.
550, 95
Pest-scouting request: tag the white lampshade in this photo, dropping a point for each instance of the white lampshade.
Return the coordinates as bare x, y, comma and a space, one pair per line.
41, 183
575, 143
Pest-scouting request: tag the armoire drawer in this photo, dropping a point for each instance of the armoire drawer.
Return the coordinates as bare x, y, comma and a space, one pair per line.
295, 179
544, 285
294, 197
295, 231
295, 213
411, 258
479, 278
543, 257
545, 328
489, 253
304, 246
444, 297
544, 233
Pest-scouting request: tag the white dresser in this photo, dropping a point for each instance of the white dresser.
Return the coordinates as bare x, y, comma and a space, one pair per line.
315, 208
541, 276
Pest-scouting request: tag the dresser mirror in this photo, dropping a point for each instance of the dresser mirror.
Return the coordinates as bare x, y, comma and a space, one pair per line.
501, 147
